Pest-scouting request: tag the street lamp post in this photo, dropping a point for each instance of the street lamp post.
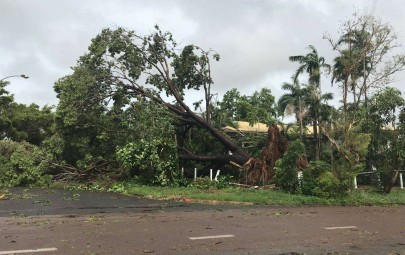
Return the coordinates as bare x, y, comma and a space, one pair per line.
22, 76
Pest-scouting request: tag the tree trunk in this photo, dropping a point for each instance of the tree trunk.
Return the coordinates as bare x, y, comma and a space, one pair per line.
299, 117
345, 89
239, 156
390, 184
316, 142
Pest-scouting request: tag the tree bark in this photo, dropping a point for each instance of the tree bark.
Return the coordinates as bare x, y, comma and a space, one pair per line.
390, 184
316, 142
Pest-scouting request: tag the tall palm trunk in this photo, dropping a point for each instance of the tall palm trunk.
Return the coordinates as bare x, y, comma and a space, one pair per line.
299, 118
316, 142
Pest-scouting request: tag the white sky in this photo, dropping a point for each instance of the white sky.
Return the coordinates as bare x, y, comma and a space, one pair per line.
44, 38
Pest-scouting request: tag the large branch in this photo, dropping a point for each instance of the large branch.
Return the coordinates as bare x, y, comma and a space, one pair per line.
334, 143
186, 113
221, 137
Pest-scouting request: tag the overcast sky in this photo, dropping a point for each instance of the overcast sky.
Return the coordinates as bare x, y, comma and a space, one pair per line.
44, 38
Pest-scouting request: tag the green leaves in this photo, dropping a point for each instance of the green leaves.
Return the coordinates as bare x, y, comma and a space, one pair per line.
259, 107
21, 165
286, 168
386, 149
318, 180
19, 122
311, 63
155, 160
192, 68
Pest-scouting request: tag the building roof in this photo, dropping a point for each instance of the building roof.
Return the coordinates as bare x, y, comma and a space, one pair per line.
258, 128
244, 127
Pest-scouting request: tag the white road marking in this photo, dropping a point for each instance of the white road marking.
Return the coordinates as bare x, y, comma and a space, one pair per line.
210, 237
344, 227
27, 251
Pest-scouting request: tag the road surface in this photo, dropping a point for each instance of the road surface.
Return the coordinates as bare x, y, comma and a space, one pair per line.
83, 222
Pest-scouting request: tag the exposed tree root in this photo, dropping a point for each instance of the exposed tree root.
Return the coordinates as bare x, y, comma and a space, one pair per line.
261, 169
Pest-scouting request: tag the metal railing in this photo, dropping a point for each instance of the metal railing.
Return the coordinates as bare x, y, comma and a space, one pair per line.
401, 180
211, 174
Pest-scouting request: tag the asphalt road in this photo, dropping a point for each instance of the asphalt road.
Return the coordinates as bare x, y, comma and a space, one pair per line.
35, 202
81, 222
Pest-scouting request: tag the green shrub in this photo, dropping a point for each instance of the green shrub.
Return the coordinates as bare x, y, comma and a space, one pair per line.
319, 180
310, 176
203, 183
21, 164
286, 168
345, 171
154, 161
327, 185
206, 183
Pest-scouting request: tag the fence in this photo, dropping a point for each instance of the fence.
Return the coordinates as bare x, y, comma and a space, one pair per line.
401, 181
195, 174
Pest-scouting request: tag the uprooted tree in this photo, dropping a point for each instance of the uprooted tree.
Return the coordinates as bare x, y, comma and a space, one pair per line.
122, 67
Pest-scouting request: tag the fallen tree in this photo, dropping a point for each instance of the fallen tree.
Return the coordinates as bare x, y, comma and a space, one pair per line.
125, 66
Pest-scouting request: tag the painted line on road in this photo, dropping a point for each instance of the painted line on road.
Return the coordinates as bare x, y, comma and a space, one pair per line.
344, 227
27, 251
210, 237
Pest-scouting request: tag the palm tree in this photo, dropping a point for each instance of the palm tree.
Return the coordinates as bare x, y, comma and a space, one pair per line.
341, 73
312, 64
316, 103
293, 102
354, 62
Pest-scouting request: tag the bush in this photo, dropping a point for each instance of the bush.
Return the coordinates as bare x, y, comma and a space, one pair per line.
206, 183
21, 164
311, 175
346, 171
327, 185
286, 168
319, 180
153, 161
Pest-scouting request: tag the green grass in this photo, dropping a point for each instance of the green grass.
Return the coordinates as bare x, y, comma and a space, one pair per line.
259, 196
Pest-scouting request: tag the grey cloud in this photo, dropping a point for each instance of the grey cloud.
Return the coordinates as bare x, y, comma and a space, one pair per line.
44, 38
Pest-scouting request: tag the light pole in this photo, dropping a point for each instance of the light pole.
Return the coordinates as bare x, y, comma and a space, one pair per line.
22, 76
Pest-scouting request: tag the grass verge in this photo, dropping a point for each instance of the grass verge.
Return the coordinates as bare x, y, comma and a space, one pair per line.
259, 196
